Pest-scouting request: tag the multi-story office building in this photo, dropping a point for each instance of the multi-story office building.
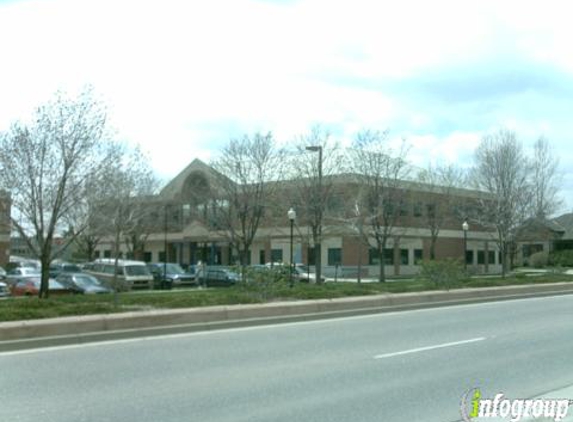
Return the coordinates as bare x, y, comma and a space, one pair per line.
184, 228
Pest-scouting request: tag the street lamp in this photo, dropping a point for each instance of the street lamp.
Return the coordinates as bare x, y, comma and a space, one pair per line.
465, 228
291, 216
317, 248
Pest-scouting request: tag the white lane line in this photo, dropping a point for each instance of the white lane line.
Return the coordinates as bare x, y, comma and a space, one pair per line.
423, 349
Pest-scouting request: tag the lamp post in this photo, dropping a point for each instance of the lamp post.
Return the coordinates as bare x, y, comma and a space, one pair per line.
465, 228
291, 216
317, 249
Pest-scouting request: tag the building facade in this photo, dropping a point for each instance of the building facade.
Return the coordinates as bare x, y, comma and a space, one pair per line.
187, 231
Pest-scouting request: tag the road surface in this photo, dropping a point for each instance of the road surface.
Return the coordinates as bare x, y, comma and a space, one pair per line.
403, 366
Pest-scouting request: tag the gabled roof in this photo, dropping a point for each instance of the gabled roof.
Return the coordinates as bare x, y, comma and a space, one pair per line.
565, 221
175, 187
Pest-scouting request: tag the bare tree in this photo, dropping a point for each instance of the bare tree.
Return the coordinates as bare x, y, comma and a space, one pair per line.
545, 180
127, 203
441, 182
144, 221
316, 161
46, 165
380, 171
502, 172
247, 168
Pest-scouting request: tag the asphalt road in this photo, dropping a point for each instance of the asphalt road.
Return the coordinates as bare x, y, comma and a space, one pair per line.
403, 366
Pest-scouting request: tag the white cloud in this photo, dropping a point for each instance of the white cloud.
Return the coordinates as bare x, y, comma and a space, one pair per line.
181, 77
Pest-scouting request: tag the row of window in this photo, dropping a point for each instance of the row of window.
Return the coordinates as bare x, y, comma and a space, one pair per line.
334, 256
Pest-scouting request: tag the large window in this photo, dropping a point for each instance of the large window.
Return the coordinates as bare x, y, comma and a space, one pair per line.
334, 256
404, 257
276, 255
431, 210
481, 257
311, 256
418, 256
374, 257
491, 257
469, 257
418, 209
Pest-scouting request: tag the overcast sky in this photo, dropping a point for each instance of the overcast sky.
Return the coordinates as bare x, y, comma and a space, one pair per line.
182, 77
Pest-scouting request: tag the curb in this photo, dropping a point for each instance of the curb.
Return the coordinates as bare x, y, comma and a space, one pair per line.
17, 335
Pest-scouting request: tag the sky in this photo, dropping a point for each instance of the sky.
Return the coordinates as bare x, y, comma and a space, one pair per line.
183, 77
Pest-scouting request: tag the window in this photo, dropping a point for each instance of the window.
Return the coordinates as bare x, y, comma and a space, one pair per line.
388, 256
404, 209
491, 257
431, 210
373, 256
418, 209
418, 256
311, 256
262, 257
481, 257
107, 253
404, 257
147, 256
469, 257
334, 256
276, 255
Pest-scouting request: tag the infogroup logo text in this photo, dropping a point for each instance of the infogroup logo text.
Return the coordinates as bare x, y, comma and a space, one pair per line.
474, 406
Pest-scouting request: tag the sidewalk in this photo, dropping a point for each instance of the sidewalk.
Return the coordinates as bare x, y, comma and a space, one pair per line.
69, 330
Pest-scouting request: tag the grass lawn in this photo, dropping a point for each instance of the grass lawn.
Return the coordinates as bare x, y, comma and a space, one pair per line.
23, 308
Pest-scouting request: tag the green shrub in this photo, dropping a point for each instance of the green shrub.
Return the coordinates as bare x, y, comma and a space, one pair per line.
443, 274
562, 258
539, 259
263, 283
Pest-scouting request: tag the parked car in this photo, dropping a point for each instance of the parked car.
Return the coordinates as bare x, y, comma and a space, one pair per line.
21, 273
4, 291
130, 274
302, 273
217, 276
3, 273
30, 286
58, 267
82, 283
299, 272
167, 275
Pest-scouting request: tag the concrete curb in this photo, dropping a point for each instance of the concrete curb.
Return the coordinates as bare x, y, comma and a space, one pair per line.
72, 330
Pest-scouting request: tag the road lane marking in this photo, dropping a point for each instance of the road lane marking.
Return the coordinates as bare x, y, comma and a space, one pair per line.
424, 349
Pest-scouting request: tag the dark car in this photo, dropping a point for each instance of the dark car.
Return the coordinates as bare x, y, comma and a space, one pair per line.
217, 276
167, 275
82, 283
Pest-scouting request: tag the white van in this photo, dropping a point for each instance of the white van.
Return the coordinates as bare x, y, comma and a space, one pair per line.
130, 274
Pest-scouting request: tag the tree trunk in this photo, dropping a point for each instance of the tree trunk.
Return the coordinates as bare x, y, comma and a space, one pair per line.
382, 273
44, 292
318, 262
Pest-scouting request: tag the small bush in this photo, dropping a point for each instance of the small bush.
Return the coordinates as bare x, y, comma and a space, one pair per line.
263, 283
539, 259
443, 274
562, 258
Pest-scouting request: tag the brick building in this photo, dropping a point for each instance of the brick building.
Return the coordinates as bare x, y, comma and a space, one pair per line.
190, 231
